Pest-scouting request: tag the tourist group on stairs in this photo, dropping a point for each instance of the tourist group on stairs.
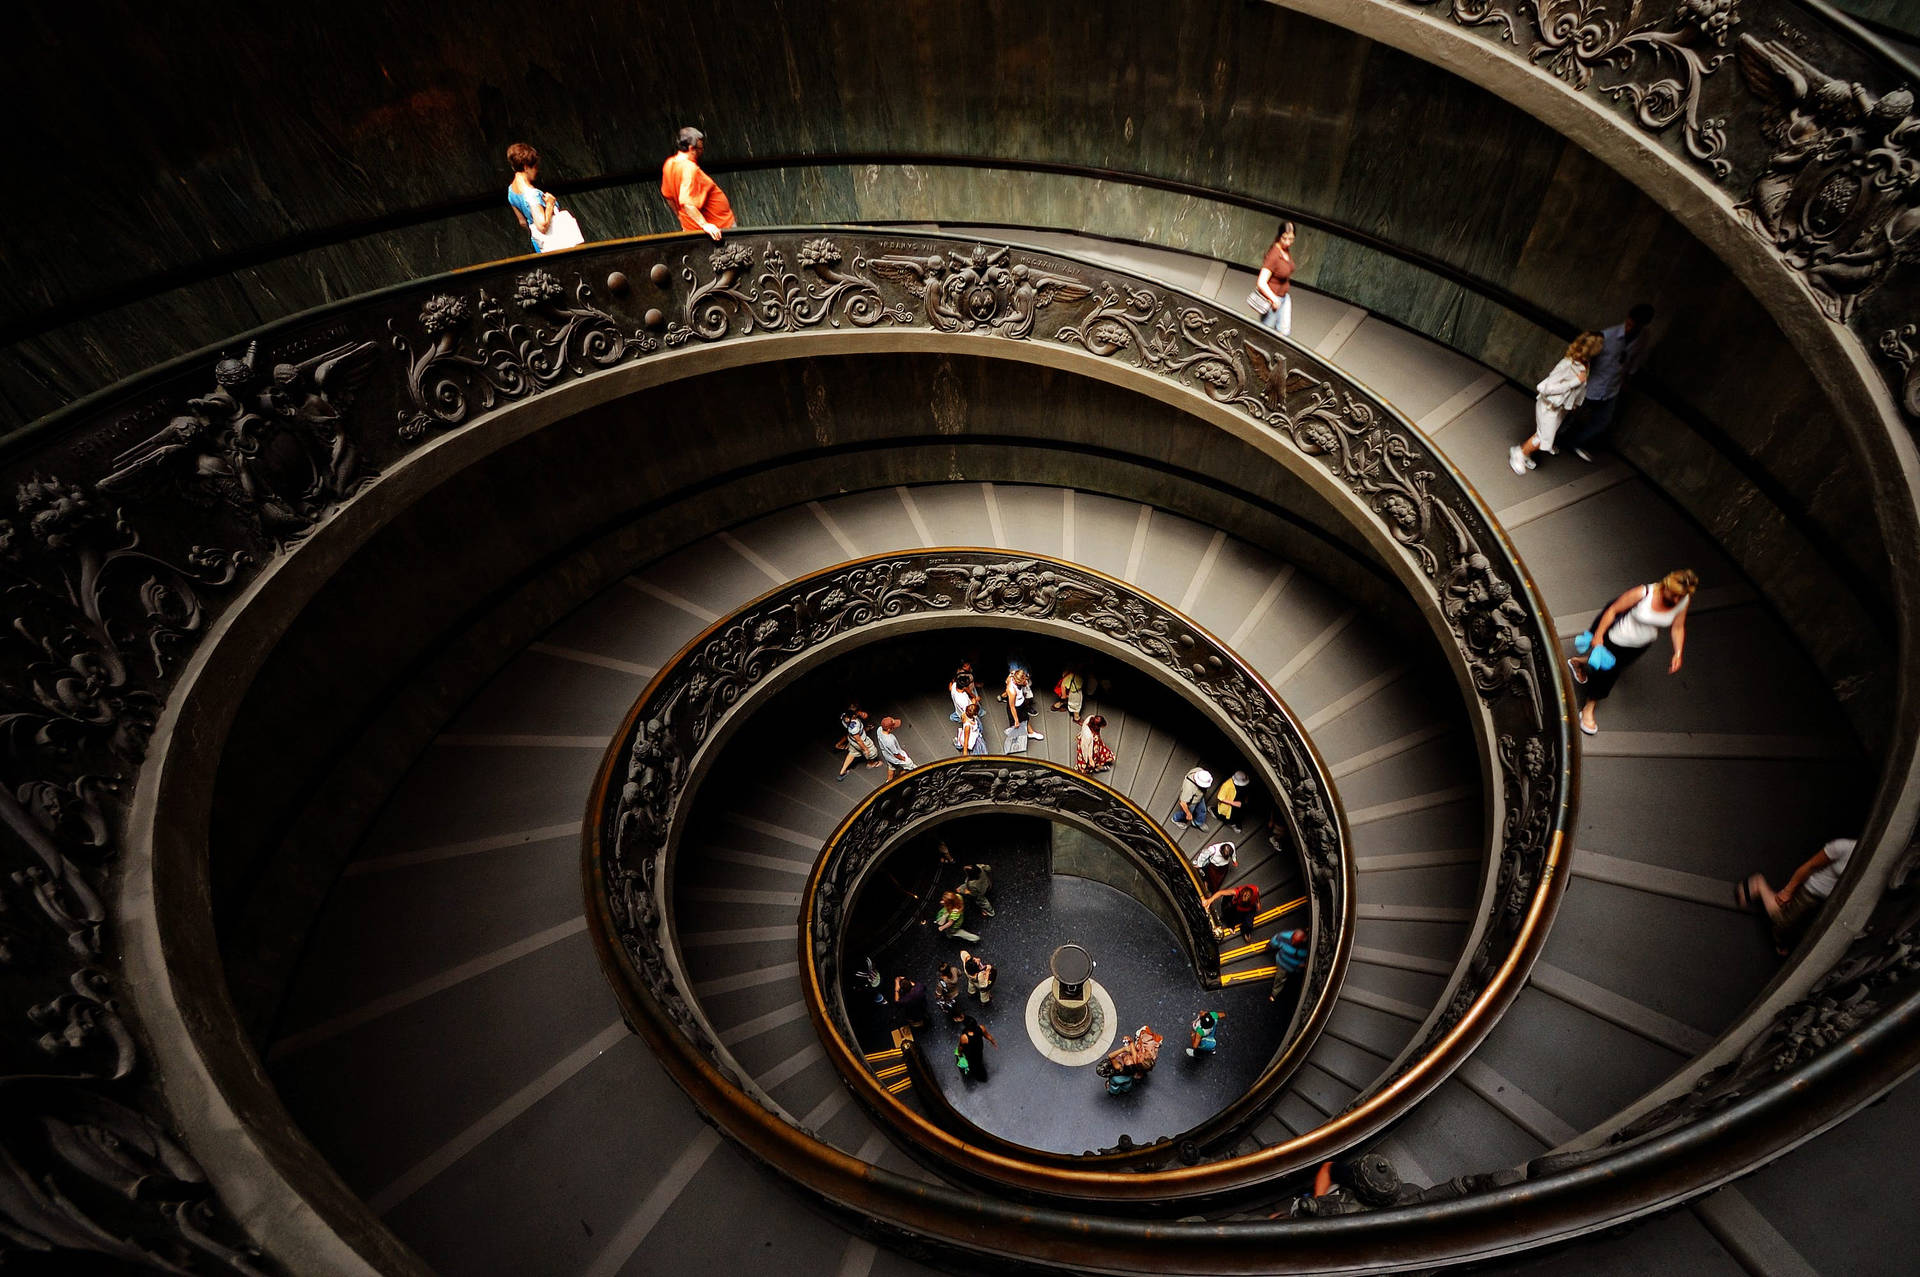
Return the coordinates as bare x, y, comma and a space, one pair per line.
1575, 408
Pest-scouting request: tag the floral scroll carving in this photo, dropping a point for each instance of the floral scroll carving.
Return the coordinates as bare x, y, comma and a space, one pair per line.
99, 623
689, 699
558, 333
132, 526
779, 299
1901, 346
1662, 66
1815, 134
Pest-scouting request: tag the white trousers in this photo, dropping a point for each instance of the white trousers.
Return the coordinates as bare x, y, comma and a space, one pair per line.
1546, 423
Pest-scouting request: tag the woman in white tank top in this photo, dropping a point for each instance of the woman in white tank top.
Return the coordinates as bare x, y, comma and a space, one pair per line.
1626, 628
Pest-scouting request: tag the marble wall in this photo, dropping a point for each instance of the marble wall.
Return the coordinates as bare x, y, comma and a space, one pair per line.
237, 164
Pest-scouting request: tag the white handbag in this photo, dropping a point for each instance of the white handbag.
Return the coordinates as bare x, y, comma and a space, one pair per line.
562, 232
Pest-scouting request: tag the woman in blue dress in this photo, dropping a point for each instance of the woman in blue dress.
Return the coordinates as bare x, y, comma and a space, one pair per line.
549, 225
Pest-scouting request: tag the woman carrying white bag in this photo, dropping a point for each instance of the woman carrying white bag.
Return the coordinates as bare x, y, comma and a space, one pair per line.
550, 225
1272, 298
1564, 390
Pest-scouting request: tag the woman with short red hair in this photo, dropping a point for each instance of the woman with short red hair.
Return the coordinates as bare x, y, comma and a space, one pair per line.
549, 225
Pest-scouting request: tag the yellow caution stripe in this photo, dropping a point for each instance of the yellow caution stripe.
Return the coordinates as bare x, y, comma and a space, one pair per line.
896, 1087
891, 1053
1244, 951
1242, 977
891, 1071
1265, 916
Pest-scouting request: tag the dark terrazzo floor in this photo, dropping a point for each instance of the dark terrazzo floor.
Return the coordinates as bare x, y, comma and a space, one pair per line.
1029, 1099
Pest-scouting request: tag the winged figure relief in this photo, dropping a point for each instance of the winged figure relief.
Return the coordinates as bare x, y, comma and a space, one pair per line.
984, 288
1840, 195
1272, 377
310, 399
276, 454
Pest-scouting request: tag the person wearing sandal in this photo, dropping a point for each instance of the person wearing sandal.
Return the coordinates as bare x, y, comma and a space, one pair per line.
1626, 628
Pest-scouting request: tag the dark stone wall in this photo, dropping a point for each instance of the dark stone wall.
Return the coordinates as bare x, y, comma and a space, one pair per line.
234, 163
314, 123
1889, 19
1079, 854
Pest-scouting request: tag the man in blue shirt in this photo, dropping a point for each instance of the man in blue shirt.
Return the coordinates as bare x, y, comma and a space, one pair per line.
1290, 955
1625, 350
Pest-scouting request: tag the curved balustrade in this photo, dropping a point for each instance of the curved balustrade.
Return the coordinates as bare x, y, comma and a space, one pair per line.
1792, 125
697, 699
148, 519
145, 517
956, 787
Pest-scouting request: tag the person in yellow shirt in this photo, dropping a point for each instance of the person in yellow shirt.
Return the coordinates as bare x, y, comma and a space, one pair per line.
1227, 801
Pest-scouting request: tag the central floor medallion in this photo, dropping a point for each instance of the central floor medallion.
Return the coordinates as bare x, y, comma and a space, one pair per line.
1072, 1052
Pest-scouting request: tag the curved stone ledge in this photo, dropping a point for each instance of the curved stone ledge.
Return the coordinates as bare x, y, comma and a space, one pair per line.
701, 696
957, 787
141, 528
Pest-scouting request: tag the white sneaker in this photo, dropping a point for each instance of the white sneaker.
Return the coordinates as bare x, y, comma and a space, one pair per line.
1033, 735
1584, 455
1518, 461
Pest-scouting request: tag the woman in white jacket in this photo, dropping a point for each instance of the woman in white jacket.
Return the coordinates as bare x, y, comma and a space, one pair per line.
1564, 390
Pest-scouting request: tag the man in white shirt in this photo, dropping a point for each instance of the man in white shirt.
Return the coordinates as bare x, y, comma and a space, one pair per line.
1793, 907
1213, 861
1193, 798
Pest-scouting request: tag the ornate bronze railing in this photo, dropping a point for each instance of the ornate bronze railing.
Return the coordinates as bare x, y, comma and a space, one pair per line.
142, 516
151, 516
1790, 110
949, 788
699, 697
957, 787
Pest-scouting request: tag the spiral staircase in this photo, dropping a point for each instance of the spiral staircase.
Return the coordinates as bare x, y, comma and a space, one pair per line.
427, 853
455, 929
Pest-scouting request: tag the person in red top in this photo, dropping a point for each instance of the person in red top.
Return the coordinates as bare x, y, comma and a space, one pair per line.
696, 200
1272, 298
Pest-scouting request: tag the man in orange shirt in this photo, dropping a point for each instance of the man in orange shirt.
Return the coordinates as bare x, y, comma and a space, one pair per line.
694, 197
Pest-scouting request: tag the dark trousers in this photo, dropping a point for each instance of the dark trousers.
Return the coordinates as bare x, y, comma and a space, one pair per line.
1600, 683
1589, 426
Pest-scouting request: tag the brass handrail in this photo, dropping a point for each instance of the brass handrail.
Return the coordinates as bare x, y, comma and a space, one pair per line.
126, 554
667, 737
1048, 789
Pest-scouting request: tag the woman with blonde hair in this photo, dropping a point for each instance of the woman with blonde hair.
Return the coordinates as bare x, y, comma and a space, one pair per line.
1564, 390
1019, 691
1624, 629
